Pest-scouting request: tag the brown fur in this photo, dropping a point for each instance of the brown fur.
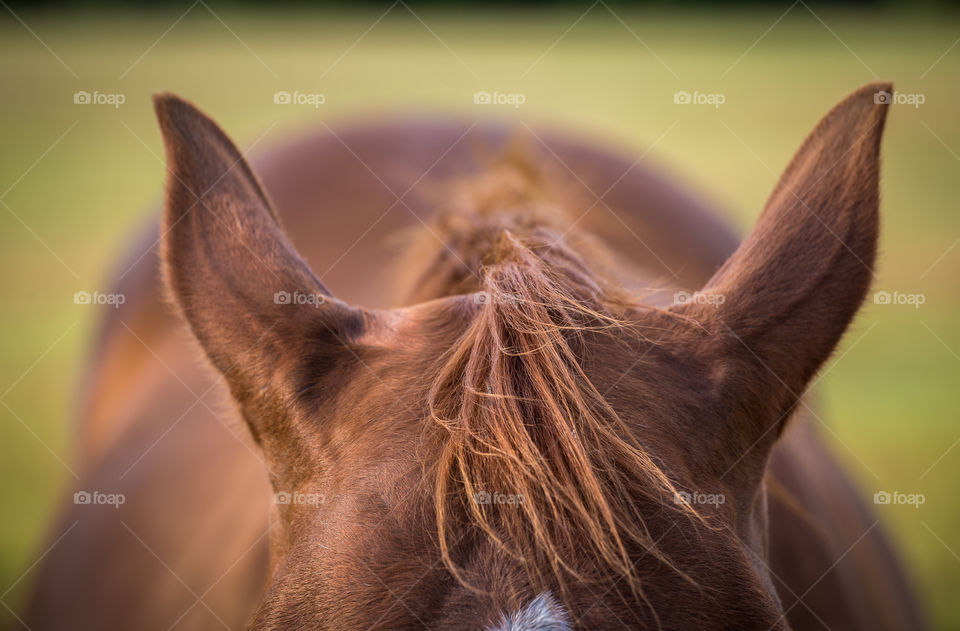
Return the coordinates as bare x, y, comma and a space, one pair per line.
525, 365
518, 414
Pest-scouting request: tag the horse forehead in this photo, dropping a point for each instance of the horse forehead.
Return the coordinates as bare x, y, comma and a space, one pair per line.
543, 613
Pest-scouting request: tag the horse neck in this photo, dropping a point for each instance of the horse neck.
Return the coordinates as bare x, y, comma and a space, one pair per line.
485, 220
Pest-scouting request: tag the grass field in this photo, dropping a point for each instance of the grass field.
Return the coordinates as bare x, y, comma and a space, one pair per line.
75, 179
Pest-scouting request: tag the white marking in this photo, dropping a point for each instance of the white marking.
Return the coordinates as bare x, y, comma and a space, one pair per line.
543, 613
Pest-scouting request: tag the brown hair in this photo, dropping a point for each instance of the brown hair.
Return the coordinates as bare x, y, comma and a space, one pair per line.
518, 413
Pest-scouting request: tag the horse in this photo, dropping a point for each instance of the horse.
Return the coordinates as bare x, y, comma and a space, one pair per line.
551, 391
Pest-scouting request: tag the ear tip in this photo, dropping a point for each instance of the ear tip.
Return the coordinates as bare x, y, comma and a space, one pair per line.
861, 114
875, 97
878, 88
162, 99
166, 104
179, 116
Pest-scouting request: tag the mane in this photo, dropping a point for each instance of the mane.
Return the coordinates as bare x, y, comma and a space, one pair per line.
516, 412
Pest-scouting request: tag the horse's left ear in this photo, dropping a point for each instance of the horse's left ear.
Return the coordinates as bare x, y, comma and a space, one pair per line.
778, 307
252, 302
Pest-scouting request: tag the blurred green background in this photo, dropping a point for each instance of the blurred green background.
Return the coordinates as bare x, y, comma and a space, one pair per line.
75, 180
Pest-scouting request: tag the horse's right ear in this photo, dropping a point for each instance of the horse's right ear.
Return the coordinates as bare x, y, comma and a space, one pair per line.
252, 302
777, 308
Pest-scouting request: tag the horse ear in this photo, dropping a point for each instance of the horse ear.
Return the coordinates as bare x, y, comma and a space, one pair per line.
250, 300
782, 301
